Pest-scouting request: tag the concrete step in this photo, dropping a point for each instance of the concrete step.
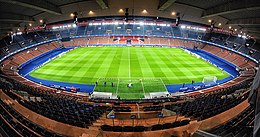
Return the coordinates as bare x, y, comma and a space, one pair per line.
93, 128
97, 124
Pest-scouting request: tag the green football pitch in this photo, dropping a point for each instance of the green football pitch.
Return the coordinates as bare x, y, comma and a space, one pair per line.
149, 69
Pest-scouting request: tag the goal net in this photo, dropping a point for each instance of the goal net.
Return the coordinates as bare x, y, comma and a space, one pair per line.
210, 80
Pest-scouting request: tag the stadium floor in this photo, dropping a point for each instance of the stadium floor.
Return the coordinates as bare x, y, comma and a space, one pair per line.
149, 69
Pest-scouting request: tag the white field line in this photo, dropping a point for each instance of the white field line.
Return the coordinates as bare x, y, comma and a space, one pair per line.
207, 61
29, 72
49, 60
142, 86
129, 93
163, 84
127, 78
117, 85
95, 85
98, 79
197, 75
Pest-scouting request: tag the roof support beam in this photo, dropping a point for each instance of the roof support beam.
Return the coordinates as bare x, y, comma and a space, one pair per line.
41, 5
252, 30
4, 30
248, 21
102, 4
166, 4
8, 26
10, 17
232, 7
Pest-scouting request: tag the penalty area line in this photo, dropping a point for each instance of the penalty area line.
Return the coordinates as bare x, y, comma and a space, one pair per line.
95, 85
98, 79
142, 86
163, 84
117, 86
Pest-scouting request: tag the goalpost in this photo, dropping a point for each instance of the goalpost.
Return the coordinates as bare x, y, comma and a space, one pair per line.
209, 80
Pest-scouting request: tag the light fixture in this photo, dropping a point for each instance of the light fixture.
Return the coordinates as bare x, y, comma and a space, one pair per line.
18, 29
173, 13
126, 14
219, 24
235, 29
11, 32
75, 18
209, 20
41, 21
30, 24
241, 31
72, 14
144, 11
229, 27
91, 12
177, 20
251, 52
121, 11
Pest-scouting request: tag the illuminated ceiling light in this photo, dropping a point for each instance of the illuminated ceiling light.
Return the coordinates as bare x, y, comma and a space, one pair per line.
209, 20
30, 24
241, 31
219, 24
173, 13
71, 14
144, 11
11, 32
229, 27
235, 29
157, 17
121, 11
41, 21
91, 12
18, 29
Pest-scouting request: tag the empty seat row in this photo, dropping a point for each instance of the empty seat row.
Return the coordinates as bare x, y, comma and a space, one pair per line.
143, 128
21, 126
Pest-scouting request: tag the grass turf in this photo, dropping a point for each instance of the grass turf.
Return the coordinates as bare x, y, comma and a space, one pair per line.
148, 68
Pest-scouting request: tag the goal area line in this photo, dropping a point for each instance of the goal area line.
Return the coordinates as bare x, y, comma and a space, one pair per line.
131, 89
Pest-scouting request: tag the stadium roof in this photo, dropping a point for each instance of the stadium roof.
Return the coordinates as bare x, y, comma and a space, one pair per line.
241, 15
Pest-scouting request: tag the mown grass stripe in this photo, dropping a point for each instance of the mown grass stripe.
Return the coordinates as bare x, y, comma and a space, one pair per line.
122, 64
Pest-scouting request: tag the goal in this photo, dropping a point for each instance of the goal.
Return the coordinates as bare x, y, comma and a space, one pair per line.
210, 80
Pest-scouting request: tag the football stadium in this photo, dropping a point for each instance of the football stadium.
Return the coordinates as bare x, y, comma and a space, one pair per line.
110, 68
